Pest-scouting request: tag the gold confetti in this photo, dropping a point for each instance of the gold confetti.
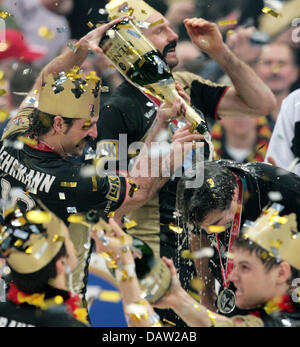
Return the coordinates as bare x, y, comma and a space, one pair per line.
90, 25
111, 214
130, 224
27, 140
4, 115
58, 238
45, 32
28, 250
276, 243
5, 14
211, 182
2, 92
197, 284
58, 299
133, 188
277, 219
94, 183
175, 228
18, 243
110, 296
168, 322
160, 21
187, 254
230, 32
68, 184
216, 228
1, 75
268, 10
228, 22
38, 217
92, 76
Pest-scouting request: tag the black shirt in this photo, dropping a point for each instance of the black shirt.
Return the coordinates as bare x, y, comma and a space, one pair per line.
58, 183
132, 113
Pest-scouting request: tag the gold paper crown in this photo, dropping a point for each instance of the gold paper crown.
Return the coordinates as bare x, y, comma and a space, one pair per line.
138, 9
71, 96
30, 241
276, 234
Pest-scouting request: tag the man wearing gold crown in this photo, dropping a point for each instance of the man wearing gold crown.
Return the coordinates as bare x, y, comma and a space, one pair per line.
63, 119
130, 112
215, 211
40, 255
266, 267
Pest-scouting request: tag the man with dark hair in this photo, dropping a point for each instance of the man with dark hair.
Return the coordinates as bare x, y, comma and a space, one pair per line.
230, 194
41, 256
264, 275
266, 265
131, 112
54, 122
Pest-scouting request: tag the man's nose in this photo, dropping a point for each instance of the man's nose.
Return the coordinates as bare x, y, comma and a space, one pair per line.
93, 132
172, 36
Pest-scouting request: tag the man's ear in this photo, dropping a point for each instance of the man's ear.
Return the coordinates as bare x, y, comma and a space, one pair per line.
59, 125
284, 272
60, 265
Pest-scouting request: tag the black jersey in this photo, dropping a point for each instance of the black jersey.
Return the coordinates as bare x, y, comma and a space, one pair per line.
131, 112
58, 183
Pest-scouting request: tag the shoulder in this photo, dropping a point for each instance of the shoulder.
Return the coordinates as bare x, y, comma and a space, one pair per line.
19, 123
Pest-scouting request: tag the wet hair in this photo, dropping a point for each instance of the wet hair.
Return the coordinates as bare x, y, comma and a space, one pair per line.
38, 281
268, 261
40, 123
215, 193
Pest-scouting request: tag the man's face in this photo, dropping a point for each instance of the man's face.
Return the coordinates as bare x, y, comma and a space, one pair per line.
254, 285
74, 139
163, 38
276, 67
221, 218
70, 249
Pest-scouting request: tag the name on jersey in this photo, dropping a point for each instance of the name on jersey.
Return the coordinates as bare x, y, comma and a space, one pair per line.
32, 179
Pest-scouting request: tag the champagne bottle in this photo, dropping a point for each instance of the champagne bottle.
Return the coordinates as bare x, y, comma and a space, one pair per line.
153, 274
143, 65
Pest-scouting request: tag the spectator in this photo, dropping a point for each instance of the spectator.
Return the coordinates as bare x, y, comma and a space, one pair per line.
241, 139
284, 148
40, 21
277, 67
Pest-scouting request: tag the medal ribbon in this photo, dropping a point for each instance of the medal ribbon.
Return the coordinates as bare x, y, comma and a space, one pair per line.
234, 232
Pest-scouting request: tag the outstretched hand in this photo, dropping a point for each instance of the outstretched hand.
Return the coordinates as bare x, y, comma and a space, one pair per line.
92, 39
206, 35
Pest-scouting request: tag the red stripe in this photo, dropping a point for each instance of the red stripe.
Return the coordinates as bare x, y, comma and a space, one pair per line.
218, 104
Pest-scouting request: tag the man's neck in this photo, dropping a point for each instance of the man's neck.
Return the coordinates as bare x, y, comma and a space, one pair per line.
53, 143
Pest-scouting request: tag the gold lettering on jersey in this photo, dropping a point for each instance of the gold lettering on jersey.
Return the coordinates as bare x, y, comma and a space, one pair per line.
68, 184
114, 188
32, 179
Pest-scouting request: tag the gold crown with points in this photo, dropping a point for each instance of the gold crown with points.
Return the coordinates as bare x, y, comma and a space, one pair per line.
278, 235
137, 9
29, 241
69, 95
